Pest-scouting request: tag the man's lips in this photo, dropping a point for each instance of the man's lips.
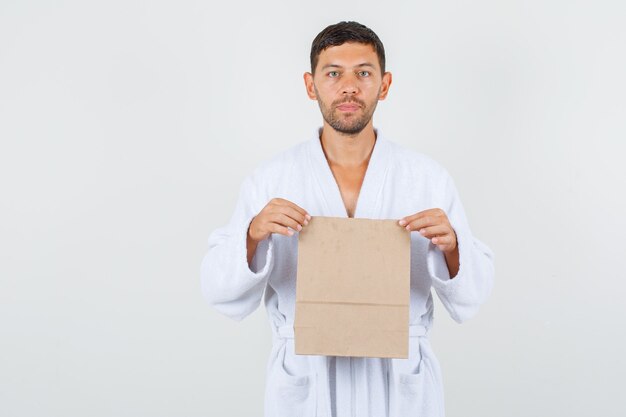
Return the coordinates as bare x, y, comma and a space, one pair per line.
348, 107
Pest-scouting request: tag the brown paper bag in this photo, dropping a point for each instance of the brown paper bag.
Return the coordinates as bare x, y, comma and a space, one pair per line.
352, 288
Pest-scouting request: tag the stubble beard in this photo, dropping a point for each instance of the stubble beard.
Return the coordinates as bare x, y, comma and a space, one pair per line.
349, 123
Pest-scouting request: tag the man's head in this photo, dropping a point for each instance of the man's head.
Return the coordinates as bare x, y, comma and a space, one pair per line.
342, 32
347, 76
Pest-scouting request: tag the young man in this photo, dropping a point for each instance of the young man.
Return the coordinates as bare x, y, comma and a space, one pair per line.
347, 169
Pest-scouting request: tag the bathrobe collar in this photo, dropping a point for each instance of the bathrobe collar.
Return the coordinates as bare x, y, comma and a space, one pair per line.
368, 202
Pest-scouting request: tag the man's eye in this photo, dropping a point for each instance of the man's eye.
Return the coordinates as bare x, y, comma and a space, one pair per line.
364, 73
333, 74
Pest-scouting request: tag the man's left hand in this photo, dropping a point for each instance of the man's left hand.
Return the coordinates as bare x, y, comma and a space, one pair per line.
433, 224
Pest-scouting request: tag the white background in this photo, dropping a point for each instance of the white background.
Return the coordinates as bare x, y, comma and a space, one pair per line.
126, 128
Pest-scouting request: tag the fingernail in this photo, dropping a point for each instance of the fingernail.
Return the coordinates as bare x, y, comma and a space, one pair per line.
290, 232
422, 231
308, 217
306, 222
408, 227
402, 222
299, 228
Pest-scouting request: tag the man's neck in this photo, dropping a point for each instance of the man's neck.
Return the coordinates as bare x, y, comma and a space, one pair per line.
348, 150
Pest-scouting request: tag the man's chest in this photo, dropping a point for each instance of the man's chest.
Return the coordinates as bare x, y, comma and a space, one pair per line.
349, 182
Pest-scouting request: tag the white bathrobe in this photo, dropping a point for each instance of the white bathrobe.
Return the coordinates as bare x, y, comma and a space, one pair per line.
398, 182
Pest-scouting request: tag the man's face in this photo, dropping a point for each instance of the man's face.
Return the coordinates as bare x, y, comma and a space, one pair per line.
347, 86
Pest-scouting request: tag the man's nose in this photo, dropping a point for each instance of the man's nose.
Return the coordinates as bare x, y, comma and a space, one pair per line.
350, 85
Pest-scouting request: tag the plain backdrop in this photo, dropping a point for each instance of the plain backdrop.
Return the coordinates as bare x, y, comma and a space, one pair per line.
126, 128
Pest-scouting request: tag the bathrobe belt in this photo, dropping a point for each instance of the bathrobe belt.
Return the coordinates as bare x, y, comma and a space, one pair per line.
320, 363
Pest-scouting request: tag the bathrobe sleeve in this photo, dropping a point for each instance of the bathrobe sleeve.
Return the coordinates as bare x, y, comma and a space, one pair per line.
464, 293
228, 283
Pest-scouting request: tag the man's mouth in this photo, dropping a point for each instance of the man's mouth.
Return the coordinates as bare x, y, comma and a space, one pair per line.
348, 107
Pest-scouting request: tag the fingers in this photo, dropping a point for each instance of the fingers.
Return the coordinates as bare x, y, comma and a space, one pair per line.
433, 231
280, 229
433, 224
284, 220
282, 202
439, 235
445, 243
421, 222
444, 240
284, 217
423, 219
294, 214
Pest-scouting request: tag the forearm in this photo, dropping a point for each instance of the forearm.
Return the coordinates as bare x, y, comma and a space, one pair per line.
452, 260
251, 246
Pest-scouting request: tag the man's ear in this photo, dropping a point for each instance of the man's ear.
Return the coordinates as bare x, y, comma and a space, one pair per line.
384, 88
308, 83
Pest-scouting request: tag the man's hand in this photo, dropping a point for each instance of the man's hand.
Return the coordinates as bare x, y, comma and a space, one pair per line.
433, 224
278, 216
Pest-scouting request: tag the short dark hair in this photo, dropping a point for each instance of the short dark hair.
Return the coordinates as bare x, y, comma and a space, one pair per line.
342, 32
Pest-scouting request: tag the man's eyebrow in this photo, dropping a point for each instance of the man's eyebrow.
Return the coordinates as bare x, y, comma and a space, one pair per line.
364, 64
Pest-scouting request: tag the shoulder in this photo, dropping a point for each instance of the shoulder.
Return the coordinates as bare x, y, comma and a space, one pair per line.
422, 169
408, 159
280, 164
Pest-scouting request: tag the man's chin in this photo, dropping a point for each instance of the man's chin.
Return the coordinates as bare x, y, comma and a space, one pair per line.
348, 125
349, 130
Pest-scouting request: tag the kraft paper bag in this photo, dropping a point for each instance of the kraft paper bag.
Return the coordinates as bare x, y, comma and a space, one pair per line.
352, 288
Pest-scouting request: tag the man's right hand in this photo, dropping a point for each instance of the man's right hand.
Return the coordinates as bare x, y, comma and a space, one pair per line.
278, 216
